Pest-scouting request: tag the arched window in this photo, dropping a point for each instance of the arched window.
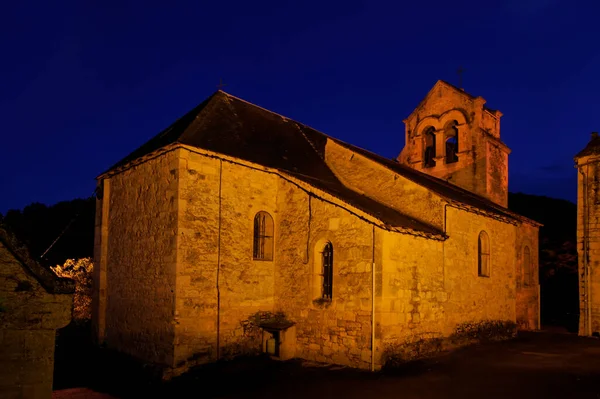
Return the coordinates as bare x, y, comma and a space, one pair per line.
483, 252
263, 236
429, 147
451, 137
327, 263
526, 266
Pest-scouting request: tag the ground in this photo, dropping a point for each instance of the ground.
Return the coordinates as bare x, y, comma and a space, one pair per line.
534, 365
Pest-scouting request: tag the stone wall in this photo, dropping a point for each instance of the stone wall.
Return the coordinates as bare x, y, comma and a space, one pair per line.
336, 331
29, 318
528, 305
497, 173
190, 280
99, 291
476, 298
211, 233
382, 184
588, 220
429, 287
411, 297
141, 258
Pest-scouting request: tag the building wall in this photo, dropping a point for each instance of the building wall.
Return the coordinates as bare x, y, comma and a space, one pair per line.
383, 185
100, 261
429, 287
336, 331
528, 294
411, 295
171, 297
29, 318
141, 227
211, 233
588, 217
474, 297
496, 173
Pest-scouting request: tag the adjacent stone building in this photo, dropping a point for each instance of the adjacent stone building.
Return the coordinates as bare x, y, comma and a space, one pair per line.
238, 229
588, 236
34, 303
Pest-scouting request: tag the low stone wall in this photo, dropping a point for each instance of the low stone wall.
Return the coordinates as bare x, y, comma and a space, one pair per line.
34, 303
429, 345
27, 361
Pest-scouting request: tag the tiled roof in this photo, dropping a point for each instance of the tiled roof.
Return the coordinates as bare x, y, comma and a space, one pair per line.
592, 148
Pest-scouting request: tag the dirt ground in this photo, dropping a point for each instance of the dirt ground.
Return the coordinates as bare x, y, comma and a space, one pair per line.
534, 365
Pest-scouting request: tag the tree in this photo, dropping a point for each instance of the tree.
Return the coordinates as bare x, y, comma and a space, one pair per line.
79, 270
38, 226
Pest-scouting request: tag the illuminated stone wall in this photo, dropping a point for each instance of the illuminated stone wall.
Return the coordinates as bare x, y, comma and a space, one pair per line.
588, 217
383, 185
427, 293
211, 233
197, 279
29, 318
139, 268
528, 289
428, 286
336, 331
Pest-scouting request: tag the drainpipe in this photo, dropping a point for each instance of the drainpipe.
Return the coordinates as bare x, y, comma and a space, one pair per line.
373, 305
445, 231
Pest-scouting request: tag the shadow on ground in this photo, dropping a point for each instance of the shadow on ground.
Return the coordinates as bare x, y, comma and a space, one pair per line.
534, 365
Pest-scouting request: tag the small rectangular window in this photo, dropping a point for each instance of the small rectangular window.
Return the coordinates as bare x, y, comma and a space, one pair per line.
263, 236
327, 260
483, 255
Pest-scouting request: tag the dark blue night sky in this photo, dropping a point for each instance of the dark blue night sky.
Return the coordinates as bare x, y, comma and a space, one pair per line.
86, 82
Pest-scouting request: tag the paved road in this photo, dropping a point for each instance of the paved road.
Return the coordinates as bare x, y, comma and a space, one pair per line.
535, 365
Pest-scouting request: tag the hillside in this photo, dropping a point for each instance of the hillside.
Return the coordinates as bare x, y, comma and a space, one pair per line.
38, 226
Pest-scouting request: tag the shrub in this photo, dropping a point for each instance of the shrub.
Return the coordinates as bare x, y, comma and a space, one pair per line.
397, 354
79, 270
486, 330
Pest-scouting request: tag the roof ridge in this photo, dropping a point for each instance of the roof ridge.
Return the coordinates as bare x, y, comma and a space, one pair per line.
457, 88
257, 106
309, 141
188, 131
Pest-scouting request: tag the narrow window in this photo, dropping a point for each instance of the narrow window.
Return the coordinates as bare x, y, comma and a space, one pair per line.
451, 136
483, 255
327, 260
429, 148
526, 266
263, 236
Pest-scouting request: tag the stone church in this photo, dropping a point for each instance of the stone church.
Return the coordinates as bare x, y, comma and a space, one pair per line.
239, 229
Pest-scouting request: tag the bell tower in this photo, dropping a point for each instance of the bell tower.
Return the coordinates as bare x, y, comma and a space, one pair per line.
453, 136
